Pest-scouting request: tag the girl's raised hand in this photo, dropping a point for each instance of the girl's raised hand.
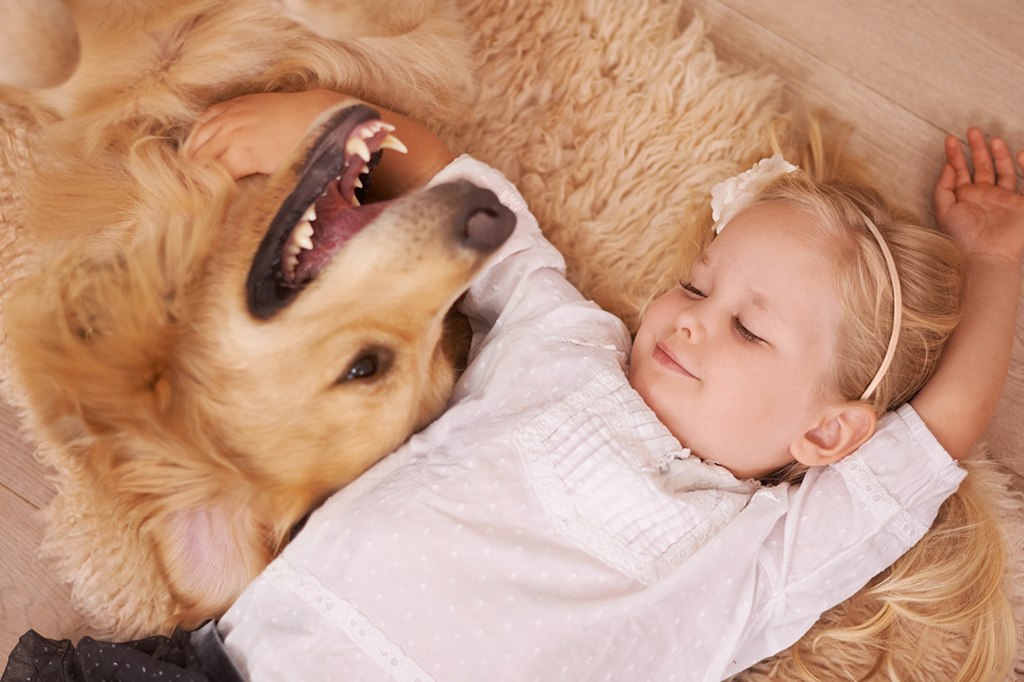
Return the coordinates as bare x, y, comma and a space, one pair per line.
985, 214
254, 133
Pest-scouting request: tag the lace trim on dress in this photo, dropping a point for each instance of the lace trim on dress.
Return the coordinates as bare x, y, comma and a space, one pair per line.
598, 462
343, 615
883, 506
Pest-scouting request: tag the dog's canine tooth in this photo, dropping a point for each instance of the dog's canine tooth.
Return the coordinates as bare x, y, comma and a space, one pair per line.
358, 183
310, 214
392, 142
356, 146
303, 235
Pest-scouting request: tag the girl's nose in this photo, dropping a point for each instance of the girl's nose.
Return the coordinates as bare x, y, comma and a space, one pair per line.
690, 321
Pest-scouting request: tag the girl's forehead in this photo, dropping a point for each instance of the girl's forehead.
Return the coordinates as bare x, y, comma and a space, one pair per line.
775, 263
763, 230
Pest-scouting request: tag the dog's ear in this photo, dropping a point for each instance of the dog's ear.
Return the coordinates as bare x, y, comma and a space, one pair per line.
90, 342
208, 556
93, 335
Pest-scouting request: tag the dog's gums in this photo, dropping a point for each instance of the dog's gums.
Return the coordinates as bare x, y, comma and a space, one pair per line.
326, 209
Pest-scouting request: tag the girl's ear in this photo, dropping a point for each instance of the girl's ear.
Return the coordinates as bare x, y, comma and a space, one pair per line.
844, 429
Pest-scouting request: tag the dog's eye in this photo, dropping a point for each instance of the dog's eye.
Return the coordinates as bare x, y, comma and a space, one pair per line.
365, 366
362, 368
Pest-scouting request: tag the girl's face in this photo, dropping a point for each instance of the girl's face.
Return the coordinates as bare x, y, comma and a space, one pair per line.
734, 361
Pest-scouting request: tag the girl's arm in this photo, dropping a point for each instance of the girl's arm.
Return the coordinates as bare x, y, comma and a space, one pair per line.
986, 216
254, 133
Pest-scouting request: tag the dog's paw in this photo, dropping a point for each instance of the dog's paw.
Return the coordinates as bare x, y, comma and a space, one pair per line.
345, 20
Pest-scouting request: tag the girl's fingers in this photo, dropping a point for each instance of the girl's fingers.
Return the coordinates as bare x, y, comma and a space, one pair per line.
201, 137
984, 173
955, 158
1020, 164
944, 197
1006, 170
202, 131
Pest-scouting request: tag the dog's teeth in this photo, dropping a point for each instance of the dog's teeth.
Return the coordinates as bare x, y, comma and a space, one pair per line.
310, 214
356, 146
358, 183
290, 264
355, 202
303, 235
392, 142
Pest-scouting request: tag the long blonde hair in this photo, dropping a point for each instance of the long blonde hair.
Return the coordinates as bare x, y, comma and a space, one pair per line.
949, 592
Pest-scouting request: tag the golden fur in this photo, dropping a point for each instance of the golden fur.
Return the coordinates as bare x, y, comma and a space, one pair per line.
192, 435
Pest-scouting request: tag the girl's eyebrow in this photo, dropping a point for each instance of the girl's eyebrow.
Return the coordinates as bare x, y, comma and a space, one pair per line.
703, 260
763, 304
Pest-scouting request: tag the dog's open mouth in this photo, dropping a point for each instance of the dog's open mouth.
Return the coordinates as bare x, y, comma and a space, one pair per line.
326, 209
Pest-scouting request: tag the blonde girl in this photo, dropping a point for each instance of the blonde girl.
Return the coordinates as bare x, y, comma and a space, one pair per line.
577, 516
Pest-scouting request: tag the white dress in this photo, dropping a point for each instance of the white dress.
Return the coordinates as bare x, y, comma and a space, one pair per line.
549, 527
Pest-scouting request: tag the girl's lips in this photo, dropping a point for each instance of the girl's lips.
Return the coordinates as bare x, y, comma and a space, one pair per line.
664, 357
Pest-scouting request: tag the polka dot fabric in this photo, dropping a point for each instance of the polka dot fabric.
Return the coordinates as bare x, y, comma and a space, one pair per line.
548, 527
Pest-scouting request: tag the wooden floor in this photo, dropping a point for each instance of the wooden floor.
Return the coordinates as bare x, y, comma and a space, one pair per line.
907, 72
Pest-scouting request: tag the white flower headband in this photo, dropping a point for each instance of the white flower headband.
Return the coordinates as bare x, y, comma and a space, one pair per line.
733, 195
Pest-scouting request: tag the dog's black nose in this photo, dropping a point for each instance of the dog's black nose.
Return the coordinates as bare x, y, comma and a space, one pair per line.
487, 223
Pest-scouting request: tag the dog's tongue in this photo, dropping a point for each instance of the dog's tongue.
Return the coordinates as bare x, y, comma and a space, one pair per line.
336, 222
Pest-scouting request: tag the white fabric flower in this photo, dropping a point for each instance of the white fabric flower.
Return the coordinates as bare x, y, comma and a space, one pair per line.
731, 196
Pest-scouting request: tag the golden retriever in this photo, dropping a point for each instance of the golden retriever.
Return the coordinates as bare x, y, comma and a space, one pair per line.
197, 391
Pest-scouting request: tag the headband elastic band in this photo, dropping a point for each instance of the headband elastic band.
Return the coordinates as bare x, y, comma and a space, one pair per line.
897, 310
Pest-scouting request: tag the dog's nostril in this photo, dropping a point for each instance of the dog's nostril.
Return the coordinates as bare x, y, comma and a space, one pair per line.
480, 223
488, 226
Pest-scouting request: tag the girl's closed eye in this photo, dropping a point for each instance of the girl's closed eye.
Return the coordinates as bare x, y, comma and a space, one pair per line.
692, 290
745, 333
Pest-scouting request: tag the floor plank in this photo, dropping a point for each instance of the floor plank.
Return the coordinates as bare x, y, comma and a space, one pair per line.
30, 596
19, 469
953, 63
898, 144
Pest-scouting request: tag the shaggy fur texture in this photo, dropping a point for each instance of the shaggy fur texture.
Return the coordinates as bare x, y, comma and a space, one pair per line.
189, 433
615, 125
